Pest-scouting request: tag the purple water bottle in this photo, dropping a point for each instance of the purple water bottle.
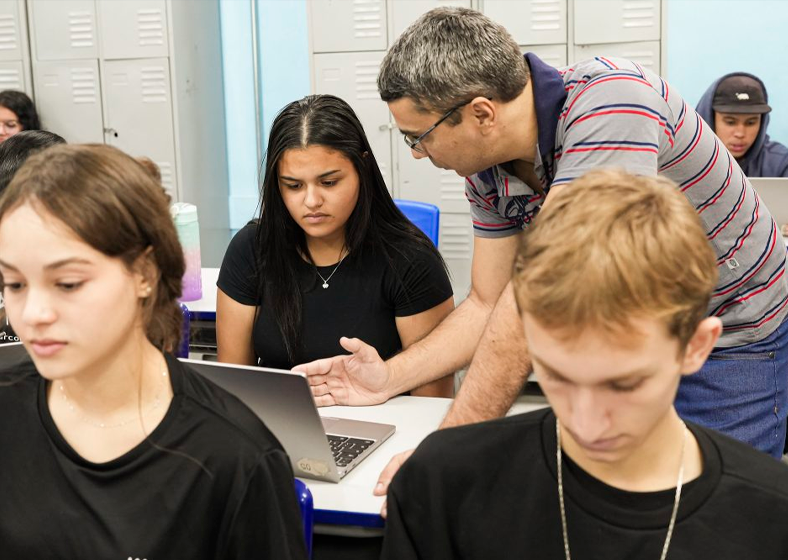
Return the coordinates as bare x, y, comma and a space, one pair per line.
185, 217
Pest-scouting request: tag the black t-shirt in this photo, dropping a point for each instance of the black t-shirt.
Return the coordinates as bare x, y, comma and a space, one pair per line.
219, 485
364, 297
490, 490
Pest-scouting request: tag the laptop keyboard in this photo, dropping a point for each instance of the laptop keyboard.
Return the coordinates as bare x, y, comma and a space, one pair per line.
345, 449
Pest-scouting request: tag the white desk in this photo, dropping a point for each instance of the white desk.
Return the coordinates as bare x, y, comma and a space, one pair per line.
350, 502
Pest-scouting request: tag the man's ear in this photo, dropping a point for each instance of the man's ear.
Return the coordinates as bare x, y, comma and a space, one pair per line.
701, 344
484, 113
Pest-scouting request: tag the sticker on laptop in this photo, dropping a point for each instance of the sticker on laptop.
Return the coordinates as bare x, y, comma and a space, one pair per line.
313, 466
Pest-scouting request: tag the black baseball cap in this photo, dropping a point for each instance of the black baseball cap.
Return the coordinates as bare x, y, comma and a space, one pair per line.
740, 94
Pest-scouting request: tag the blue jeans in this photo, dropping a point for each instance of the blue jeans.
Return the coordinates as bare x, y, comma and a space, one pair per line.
742, 392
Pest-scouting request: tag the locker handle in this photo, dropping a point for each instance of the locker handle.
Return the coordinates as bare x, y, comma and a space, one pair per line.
111, 131
387, 126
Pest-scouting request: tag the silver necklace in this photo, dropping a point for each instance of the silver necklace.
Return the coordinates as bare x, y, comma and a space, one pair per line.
103, 425
676, 500
325, 280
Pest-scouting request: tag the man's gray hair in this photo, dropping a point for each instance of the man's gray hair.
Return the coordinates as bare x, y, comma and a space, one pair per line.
449, 56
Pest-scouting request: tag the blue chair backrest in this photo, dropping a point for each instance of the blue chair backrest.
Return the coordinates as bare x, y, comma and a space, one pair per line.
307, 512
425, 216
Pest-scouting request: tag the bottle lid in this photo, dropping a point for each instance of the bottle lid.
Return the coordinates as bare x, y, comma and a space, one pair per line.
183, 212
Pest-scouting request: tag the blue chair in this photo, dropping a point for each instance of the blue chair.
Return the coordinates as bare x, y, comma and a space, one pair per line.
183, 347
307, 512
425, 216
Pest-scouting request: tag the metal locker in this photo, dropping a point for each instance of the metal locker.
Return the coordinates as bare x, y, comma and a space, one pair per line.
421, 180
616, 21
531, 22
138, 112
63, 29
554, 55
353, 77
12, 39
133, 29
456, 246
348, 25
646, 54
12, 76
403, 13
68, 99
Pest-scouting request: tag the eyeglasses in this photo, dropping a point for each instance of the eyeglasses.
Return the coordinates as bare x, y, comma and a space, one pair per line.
413, 143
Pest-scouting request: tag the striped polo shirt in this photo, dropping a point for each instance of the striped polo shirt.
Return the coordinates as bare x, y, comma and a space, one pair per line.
610, 112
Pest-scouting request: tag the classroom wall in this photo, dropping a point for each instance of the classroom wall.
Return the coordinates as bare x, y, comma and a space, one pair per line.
704, 39
709, 38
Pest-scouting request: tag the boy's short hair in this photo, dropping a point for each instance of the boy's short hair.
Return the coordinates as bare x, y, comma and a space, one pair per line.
611, 247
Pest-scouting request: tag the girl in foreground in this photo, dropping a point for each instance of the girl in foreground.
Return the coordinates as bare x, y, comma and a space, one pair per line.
111, 447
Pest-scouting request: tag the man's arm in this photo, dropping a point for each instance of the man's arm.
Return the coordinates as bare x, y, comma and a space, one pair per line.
499, 368
363, 378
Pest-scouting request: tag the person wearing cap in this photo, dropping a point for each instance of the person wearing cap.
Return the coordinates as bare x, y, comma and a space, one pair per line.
736, 107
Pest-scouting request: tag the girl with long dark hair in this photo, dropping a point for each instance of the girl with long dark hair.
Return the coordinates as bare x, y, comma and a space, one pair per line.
330, 254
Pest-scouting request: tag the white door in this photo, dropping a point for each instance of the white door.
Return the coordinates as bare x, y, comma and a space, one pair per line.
63, 29
405, 12
353, 77
348, 25
133, 28
554, 55
138, 116
12, 76
531, 22
616, 21
456, 246
646, 54
68, 99
422, 181
12, 46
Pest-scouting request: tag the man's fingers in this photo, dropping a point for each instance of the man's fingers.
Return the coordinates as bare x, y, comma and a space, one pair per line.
317, 379
325, 400
318, 367
388, 473
320, 390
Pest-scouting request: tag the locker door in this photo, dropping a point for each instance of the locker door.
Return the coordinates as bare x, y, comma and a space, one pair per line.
133, 29
616, 21
403, 13
646, 54
554, 55
422, 181
68, 99
353, 77
456, 246
64, 29
138, 109
348, 25
11, 46
531, 22
12, 76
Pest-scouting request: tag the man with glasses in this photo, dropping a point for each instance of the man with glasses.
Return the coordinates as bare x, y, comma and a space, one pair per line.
519, 131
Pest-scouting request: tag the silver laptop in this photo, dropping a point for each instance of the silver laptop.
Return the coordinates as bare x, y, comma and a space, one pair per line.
774, 193
319, 448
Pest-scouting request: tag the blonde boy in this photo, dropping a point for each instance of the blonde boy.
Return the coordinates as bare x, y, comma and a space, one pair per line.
612, 284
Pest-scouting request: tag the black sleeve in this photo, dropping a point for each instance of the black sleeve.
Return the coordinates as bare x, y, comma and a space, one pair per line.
420, 282
238, 274
267, 522
418, 523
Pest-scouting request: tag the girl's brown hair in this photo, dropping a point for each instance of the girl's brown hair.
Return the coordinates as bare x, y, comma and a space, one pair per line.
114, 205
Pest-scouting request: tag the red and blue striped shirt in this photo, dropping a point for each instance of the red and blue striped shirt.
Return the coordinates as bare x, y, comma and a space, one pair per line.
609, 112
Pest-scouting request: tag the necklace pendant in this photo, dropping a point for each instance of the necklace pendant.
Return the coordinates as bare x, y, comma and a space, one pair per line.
325, 285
